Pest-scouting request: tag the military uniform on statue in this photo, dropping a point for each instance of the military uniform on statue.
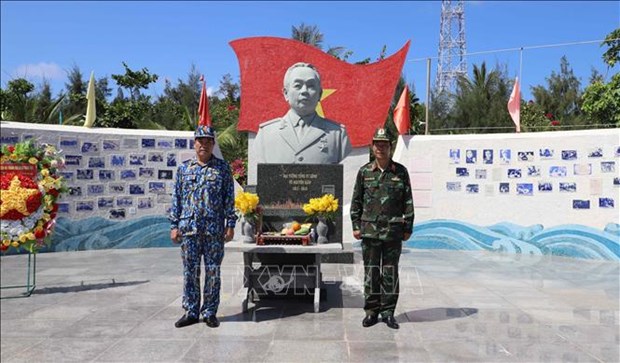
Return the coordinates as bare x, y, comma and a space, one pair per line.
301, 136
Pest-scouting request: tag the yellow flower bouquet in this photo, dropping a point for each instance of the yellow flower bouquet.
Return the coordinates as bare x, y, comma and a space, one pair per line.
247, 206
324, 207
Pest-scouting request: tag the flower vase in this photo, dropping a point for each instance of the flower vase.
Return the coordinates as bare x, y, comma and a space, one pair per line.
248, 230
321, 229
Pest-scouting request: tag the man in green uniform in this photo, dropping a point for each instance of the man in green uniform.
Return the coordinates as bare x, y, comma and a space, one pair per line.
382, 217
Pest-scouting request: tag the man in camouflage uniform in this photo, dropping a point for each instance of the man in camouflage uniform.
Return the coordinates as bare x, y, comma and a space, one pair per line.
202, 220
382, 217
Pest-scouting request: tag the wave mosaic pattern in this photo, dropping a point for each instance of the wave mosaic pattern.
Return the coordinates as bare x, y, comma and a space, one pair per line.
566, 240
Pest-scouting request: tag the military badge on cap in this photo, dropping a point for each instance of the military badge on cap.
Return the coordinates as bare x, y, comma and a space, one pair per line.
381, 135
204, 131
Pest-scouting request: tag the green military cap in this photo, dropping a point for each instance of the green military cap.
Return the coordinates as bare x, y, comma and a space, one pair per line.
381, 134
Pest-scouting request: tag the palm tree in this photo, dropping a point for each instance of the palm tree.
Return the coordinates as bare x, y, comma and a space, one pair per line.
310, 34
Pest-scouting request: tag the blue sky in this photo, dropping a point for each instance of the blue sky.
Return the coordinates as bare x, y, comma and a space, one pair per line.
46, 38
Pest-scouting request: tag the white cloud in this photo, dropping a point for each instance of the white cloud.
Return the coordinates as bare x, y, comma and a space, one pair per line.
49, 71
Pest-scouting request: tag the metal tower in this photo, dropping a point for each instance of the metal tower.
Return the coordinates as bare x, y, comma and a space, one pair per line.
451, 60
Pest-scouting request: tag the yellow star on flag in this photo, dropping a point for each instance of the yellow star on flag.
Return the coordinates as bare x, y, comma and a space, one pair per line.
15, 198
319, 107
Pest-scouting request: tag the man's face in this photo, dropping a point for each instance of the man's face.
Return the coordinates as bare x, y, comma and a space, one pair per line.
204, 147
381, 150
304, 91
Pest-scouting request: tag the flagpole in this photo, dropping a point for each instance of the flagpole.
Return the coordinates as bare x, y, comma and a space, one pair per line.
521, 64
428, 92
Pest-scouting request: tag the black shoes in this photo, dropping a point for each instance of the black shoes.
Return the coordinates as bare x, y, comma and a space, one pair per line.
369, 321
185, 321
391, 322
211, 321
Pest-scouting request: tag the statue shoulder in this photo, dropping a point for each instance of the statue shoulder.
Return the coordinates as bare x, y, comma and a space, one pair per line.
269, 123
330, 123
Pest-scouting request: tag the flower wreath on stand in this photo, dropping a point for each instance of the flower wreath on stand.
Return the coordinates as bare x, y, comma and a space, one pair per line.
30, 190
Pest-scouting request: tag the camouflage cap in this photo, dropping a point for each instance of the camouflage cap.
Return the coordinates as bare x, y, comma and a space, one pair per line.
381, 134
204, 131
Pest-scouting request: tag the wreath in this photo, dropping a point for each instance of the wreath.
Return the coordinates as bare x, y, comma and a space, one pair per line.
30, 188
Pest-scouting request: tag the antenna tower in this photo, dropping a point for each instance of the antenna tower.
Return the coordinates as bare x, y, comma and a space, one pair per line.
451, 60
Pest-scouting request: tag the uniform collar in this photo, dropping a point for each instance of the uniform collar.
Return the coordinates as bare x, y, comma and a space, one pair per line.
374, 166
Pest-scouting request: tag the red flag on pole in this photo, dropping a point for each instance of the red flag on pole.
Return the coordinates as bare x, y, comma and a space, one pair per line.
203, 107
357, 96
401, 113
514, 105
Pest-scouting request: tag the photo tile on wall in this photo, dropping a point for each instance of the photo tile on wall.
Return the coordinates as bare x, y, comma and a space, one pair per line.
136, 189
514, 173
74, 191
505, 156
95, 189
171, 159
472, 188
84, 174
111, 145
471, 156
117, 213
165, 144
525, 189
85, 206
487, 156
525, 156
569, 154
148, 143
9, 140
96, 162
164, 174
596, 152
455, 156
105, 202
545, 153
124, 201
156, 157
582, 169
617, 153
129, 143
462, 172
137, 159
66, 175
581, 204
616, 181
606, 203
73, 160
69, 143
117, 160
106, 175
570, 187
557, 171
128, 174
116, 188
146, 172
608, 166
453, 186
89, 147
545, 186
64, 207
504, 188
533, 170
481, 173
157, 187
180, 143
145, 203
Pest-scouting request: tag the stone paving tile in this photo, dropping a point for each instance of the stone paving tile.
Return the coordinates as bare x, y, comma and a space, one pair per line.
454, 306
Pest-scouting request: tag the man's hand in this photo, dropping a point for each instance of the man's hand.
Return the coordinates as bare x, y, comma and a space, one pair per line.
228, 236
406, 236
175, 236
357, 234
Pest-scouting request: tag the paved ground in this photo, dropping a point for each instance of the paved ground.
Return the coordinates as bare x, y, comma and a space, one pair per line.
121, 305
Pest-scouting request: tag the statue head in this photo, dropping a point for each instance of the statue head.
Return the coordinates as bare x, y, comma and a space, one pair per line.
302, 88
